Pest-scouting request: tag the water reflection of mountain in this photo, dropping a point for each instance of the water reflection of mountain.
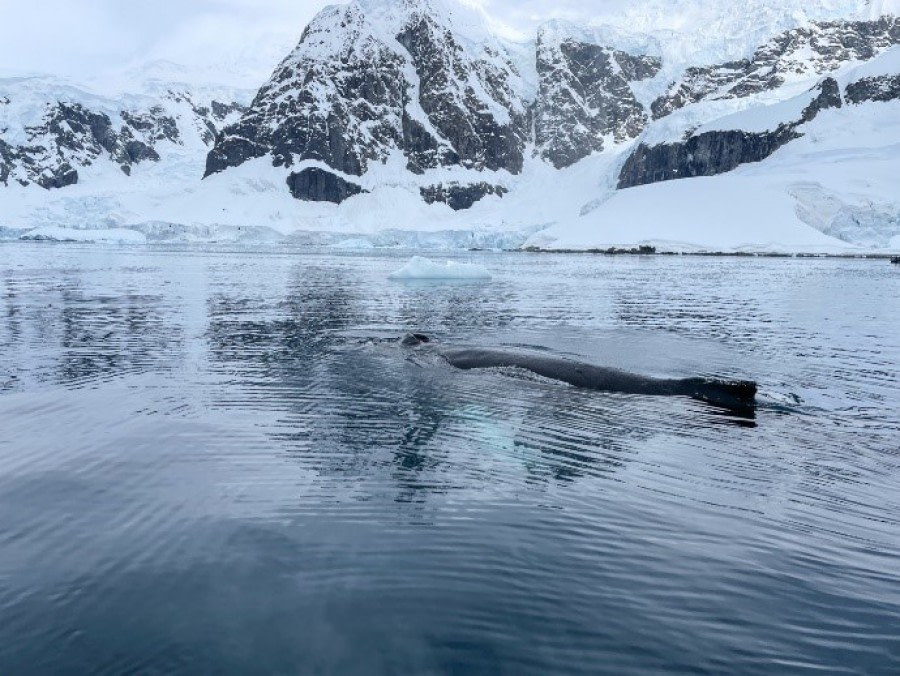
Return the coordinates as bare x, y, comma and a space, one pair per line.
322, 301
281, 335
59, 331
348, 409
680, 310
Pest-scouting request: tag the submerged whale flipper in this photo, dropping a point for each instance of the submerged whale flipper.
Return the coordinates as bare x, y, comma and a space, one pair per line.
734, 395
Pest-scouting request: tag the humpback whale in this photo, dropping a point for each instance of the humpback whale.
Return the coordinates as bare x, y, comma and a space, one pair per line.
735, 395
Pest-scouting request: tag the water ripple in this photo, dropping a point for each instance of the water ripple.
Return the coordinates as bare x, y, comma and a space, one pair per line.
215, 461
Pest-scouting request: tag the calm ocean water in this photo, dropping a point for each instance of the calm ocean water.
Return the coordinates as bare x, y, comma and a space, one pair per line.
221, 462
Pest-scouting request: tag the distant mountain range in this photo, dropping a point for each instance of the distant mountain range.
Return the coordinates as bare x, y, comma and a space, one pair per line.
410, 122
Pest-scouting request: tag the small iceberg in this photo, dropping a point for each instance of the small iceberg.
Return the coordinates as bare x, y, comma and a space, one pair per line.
422, 268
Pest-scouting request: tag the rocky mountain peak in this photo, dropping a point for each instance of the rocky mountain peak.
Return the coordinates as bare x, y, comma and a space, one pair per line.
51, 132
422, 94
586, 99
371, 78
428, 79
810, 50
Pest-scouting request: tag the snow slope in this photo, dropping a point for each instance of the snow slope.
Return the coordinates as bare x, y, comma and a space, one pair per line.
833, 190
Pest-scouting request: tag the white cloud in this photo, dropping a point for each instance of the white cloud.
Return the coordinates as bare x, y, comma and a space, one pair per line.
78, 37
82, 37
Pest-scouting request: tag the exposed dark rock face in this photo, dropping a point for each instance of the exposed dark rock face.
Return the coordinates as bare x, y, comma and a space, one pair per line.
884, 88
424, 151
585, 95
78, 132
459, 196
349, 96
6, 161
480, 138
316, 185
60, 177
70, 136
221, 111
829, 97
154, 125
210, 119
707, 154
342, 112
817, 49
716, 152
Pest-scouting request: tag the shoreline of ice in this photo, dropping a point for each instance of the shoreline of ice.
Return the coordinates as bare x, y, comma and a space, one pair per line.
123, 237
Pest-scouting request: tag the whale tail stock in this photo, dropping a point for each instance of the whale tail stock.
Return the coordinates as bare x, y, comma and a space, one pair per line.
735, 395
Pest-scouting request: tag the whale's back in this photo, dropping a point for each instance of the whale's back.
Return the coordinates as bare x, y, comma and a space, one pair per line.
735, 395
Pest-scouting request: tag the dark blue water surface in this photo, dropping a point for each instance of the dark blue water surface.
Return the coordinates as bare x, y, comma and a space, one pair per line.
221, 462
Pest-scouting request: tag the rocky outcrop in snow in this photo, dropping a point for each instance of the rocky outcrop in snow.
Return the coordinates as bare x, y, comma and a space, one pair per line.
715, 152
317, 185
708, 153
460, 197
879, 88
69, 135
369, 79
585, 96
806, 51
211, 118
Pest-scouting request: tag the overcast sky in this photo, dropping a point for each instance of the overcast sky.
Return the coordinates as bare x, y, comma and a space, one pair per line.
83, 37
76, 37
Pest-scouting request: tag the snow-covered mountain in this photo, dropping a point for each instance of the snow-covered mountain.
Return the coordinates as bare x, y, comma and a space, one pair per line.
372, 78
586, 98
412, 122
73, 130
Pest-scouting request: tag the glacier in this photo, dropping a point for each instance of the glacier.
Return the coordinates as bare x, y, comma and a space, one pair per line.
487, 143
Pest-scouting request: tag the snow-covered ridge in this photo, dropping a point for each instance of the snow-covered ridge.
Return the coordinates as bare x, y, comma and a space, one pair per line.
469, 23
389, 115
559, 30
55, 134
763, 118
703, 33
753, 133
588, 92
369, 78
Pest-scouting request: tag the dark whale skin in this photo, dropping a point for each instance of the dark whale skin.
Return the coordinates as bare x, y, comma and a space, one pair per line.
737, 395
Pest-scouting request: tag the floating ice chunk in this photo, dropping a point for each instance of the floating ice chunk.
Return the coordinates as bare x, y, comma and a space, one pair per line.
422, 268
